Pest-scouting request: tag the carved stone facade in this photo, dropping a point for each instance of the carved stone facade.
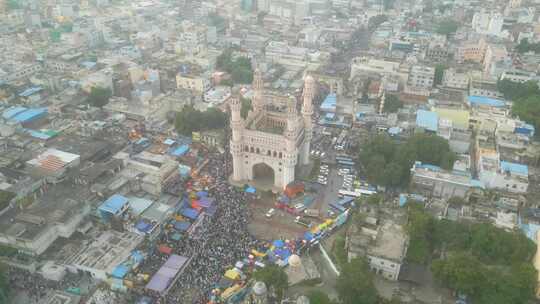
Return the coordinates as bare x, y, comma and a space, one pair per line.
274, 133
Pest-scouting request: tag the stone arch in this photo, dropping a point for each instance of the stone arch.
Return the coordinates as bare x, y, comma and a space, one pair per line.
263, 173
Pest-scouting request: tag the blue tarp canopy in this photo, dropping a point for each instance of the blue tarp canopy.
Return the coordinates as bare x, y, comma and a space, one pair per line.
113, 204
190, 213
329, 103
29, 115
181, 226
486, 101
308, 236
251, 190
515, 168
30, 91
144, 300
176, 236
11, 112
120, 271
137, 256
202, 194
278, 243
169, 142
180, 151
428, 120
143, 226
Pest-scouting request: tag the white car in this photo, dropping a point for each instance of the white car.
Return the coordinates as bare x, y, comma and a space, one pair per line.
299, 206
270, 212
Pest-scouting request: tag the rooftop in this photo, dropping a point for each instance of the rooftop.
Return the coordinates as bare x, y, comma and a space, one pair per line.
391, 242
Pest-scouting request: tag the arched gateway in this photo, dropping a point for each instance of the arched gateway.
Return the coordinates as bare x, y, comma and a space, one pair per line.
274, 134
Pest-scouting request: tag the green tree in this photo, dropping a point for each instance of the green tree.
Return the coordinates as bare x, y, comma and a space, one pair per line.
4, 285
388, 163
447, 27
461, 271
525, 46
355, 284
246, 107
439, 73
516, 90
191, 120
274, 277
99, 97
375, 21
392, 104
318, 297
5, 198
528, 110
239, 68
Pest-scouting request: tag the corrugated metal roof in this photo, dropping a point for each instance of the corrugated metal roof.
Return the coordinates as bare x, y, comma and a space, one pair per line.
515, 168
486, 101
29, 115
427, 120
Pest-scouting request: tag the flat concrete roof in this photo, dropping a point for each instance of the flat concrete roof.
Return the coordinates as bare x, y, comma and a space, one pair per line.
390, 243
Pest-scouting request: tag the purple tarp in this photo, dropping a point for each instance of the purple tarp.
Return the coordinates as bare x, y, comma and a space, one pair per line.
161, 279
206, 202
158, 283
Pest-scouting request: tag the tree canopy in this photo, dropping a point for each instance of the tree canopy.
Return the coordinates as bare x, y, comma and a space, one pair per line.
274, 277
191, 120
5, 198
447, 27
355, 284
239, 68
4, 285
439, 73
392, 104
318, 297
388, 163
525, 97
246, 107
99, 97
375, 21
486, 285
486, 263
525, 46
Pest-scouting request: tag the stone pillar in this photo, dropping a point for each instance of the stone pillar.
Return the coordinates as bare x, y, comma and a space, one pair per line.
307, 112
236, 139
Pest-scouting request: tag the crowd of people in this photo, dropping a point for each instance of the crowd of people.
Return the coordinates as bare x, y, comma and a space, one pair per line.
218, 243
212, 246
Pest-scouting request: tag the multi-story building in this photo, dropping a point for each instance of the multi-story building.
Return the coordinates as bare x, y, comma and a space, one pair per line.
384, 245
421, 76
519, 76
192, 39
437, 182
488, 23
471, 51
193, 83
494, 53
455, 79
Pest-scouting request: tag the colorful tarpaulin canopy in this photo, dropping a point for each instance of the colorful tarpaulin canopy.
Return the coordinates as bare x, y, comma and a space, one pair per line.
190, 213
181, 225
120, 271
165, 249
161, 280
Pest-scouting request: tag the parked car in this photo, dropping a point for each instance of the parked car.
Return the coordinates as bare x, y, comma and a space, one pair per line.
270, 212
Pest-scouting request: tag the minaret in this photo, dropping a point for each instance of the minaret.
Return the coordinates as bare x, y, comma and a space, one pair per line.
290, 157
258, 87
537, 263
237, 125
307, 112
259, 293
